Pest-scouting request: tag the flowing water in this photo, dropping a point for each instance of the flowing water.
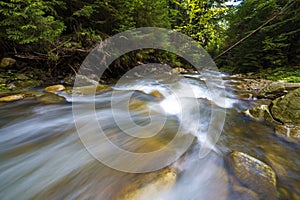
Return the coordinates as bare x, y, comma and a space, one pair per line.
43, 157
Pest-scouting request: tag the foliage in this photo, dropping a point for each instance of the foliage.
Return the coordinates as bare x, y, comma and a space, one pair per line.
61, 33
203, 21
28, 21
275, 45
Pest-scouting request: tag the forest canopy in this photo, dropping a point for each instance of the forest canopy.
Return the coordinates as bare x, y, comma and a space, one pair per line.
55, 31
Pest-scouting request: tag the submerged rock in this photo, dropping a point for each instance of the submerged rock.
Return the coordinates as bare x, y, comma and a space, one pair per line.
242, 193
255, 175
286, 109
55, 88
11, 98
148, 186
51, 99
290, 133
138, 105
89, 90
261, 112
156, 94
277, 89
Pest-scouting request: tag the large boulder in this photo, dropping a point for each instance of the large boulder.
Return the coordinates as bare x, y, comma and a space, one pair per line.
277, 89
286, 109
254, 174
283, 113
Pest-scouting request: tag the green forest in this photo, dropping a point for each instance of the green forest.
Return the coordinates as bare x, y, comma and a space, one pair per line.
253, 36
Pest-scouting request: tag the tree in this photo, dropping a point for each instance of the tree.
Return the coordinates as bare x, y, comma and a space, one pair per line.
274, 45
28, 21
202, 20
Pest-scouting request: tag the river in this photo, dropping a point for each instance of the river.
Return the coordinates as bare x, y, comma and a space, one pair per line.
44, 157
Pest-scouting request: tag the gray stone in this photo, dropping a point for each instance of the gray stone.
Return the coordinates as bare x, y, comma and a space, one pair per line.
277, 89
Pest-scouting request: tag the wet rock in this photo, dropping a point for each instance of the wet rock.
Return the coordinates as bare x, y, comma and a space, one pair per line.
261, 112
89, 90
157, 95
148, 186
7, 62
81, 80
255, 175
178, 70
11, 98
242, 193
55, 88
137, 105
289, 132
248, 84
277, 89
51, 99
245, 96
286, 109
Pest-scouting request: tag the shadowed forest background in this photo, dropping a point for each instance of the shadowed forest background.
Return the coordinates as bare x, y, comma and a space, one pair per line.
55, 36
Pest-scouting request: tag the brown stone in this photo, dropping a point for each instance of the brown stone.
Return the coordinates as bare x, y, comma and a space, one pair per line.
54, 88
10, 98
148, 186
255, 175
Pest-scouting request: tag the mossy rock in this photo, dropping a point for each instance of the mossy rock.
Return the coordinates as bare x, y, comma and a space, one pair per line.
286, 109
261, 113
255, 175
290, 133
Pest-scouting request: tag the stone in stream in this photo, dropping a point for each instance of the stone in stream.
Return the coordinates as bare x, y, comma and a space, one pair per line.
255, 175
138, 106
261, 112
158, 96
55, 88
286, 109
11, 98
277, 89
149, 186
242, 193
51, 98
283, 113
89, 90
289, 132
